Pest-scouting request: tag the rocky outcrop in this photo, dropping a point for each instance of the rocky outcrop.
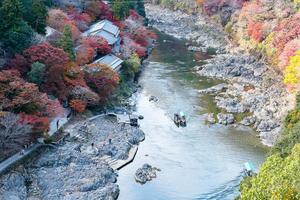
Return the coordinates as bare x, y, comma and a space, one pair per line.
75, 169
145, 173
194, 28
225, 119
252, 87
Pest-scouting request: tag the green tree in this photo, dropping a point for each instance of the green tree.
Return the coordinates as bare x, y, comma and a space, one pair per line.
17, 38
15, 34
279, 178
37, 73
66, 42
35, 13
10, 14
140, 7
121, 8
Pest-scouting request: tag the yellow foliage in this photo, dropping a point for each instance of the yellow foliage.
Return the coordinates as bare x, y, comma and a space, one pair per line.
292, 73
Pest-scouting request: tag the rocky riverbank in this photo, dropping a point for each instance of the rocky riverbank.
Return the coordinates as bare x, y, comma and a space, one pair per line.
202, 36
252, 89
75, 169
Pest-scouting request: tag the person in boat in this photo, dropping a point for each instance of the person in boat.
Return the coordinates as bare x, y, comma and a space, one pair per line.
176, 119
182, 119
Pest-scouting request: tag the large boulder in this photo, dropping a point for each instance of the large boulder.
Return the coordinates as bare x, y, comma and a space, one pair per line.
145, 173
225, 119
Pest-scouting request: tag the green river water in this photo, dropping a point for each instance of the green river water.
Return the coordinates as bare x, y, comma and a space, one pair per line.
196, 162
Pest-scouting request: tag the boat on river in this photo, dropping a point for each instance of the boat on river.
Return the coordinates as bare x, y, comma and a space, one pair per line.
180, 119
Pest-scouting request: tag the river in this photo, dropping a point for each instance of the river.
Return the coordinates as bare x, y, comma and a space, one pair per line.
196, 162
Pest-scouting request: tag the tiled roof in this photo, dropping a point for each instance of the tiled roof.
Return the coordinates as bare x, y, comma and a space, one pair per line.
105, 29
111, 60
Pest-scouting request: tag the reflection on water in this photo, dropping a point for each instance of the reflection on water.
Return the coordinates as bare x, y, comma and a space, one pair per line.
196, 162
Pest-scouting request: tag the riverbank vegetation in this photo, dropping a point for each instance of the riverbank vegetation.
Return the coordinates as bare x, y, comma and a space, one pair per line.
46, 61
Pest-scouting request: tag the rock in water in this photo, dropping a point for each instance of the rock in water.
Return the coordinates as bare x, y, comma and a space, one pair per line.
248, 121
146, 173
210, 118
225, 118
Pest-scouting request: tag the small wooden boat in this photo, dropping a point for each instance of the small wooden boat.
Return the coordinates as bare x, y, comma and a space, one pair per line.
180, 119
249, 169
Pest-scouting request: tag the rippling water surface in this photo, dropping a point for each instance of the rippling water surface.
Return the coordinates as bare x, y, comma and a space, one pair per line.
196, 162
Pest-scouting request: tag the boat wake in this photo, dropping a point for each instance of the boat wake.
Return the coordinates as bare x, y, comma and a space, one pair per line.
228, 191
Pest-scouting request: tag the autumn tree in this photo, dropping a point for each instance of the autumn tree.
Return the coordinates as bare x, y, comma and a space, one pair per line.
47, 54
101, 79
78, 106
13, 134
20, 63
66, 42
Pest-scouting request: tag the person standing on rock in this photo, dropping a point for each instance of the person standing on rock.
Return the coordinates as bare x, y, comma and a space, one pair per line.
57, 124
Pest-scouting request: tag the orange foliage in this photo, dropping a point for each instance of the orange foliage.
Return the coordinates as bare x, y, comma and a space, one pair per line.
78, 105
255, 30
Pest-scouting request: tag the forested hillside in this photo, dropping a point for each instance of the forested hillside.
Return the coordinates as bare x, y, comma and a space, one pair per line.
46, 62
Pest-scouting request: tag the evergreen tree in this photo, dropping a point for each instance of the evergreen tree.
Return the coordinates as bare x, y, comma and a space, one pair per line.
66, 42
37, 73
17, 38
15, 34
10, 14
35, 13
140, 7
121, 8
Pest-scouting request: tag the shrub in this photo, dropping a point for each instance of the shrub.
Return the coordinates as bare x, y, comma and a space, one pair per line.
278, 178
289, 139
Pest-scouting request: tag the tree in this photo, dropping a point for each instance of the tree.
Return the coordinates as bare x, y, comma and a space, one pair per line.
55, 82
35, 13
121, 8
255, 30
140, 7
66, 42
37, 73
134, 62
279, 178
292, 73
78, 105
12, 37
101, 79
19, 63
13, 28
47, 54
13, 134
10, 14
